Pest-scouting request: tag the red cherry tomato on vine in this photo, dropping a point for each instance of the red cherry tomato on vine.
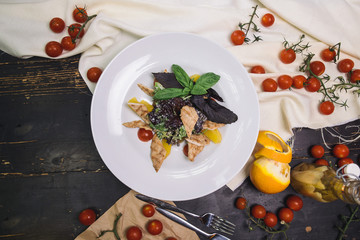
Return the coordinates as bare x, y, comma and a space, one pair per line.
270, 219
321, 162
241, 203
344, 161
80, 15
345, 65
257, 69
287, 56
355, 76
317, 68
148, 210
57, 25
298, 81
286, 214
326, 108
258, 211
186, 150
284, 81
317, 151
53, 49
93, 74
74, 29
67, 43
133, 233
341, 151
238, 37
267, 20
312, 85
87, 217
269, 85
294, 202
154, 227
328, 55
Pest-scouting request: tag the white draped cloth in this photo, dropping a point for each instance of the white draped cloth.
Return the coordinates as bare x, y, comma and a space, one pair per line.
24, 26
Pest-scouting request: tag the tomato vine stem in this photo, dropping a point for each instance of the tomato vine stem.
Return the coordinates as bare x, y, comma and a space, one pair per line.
82, 27
348, 220
114, 230
249, 24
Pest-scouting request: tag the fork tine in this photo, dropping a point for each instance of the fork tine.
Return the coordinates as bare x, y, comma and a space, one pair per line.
221, 228
224, 221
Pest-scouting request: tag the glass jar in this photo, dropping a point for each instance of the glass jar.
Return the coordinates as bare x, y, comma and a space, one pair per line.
324, 184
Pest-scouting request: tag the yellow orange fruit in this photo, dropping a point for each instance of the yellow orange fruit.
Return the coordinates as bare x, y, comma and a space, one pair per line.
213, 135
271, 146
270, 176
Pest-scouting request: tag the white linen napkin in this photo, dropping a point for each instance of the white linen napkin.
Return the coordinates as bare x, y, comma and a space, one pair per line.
121, 22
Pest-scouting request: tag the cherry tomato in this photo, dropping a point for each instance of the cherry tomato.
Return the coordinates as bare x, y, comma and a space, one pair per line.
258, 211
341, 151
286, 214
344, 161
238, 37
257, 69
74, 29
270, 219
186, 150
267, 20
287, 56
93, 74
355, 76
326, 108
80, 15
294, 202
57, 25
67, 43
345, 65
53, 49
269, 85
317, 67
298, 81
154, 227
328, 55
241, 203
145, 135
321, 162
284, 81
317, 151
148, 210
312, 85
133, 233
87, 217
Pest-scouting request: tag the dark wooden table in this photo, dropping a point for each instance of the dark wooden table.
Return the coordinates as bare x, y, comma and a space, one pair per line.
50, 169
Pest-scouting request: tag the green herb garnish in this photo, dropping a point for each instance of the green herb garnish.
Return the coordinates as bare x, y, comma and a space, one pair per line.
200, 87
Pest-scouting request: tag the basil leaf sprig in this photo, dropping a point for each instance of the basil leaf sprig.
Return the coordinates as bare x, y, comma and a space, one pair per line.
200, 87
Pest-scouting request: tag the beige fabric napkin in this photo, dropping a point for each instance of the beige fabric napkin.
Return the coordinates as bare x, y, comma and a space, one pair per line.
121, 22
130, 208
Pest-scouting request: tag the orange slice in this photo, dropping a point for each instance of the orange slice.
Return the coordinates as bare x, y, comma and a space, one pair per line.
270, 145
148, 105
270, 176
167, 147
213, 135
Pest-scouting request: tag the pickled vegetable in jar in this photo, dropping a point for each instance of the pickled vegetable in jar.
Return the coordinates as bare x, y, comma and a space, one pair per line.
323, 184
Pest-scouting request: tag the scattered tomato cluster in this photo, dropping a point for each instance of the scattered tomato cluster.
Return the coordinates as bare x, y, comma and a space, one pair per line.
68, 43
340, 151
285, 214
312, 82
154, 226
75, 31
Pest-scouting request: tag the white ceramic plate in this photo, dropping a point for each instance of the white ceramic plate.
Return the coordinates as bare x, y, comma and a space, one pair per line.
129, 159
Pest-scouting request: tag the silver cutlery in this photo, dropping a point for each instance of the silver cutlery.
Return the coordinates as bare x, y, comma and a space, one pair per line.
208, 219
176, 218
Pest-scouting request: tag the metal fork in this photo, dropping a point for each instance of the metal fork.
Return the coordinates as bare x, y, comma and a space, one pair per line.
208, 219
176, 218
